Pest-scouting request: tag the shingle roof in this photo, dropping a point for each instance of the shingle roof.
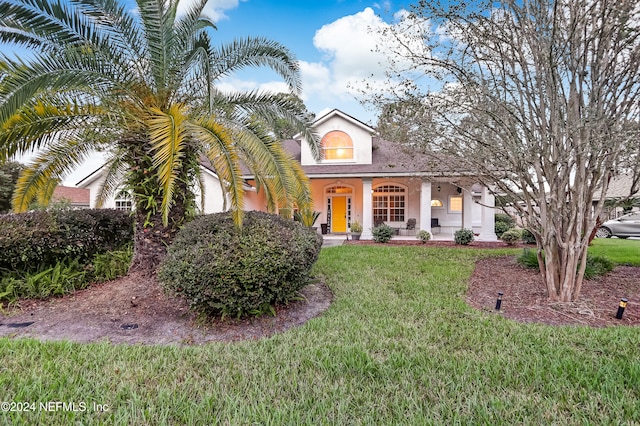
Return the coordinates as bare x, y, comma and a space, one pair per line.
76, 196
388, 158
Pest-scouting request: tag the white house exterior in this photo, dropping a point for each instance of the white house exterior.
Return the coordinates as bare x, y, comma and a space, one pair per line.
365, 178
362, 177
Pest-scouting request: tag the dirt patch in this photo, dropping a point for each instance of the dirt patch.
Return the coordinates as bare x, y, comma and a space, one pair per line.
525, 297
134, 309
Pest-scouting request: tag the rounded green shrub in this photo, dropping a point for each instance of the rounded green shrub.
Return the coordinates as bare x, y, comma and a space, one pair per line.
382, 233
512, 236
423, 236
222, 270
463, 236
500, 228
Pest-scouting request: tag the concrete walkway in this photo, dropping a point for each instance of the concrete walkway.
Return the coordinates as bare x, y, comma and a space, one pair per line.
332, 240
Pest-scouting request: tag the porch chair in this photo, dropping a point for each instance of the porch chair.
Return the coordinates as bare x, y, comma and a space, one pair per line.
411, 226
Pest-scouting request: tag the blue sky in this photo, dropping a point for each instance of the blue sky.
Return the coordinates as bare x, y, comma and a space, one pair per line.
331, 39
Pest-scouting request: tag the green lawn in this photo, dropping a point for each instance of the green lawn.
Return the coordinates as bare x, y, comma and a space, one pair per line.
620, 251
398, 346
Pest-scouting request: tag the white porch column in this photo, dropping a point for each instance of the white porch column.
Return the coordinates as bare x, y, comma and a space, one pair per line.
467, 209
367, 209
425, 206
487, 233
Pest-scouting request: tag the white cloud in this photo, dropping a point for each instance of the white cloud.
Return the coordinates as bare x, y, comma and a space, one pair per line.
215, 9
357, 54
349, 45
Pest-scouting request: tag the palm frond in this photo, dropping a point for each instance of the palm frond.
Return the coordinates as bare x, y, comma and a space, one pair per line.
257, 52
51, 164
168, 138
222, 152
43, 123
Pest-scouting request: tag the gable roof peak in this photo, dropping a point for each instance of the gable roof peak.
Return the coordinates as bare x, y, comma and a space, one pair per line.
337, 113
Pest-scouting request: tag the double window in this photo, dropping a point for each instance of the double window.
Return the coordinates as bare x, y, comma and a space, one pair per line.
389, 204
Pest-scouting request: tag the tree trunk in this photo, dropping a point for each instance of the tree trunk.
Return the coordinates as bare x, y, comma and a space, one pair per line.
563, 268
152, 237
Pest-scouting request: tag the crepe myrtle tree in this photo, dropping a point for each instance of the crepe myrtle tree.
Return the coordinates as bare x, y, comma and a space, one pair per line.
137, 81
539, 98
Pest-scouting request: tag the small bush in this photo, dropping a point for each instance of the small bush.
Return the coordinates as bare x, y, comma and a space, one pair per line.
500, 228
111, 265
463, 236
221, 270
382, 233
423, 236
512, 236
503, 222
528, 237
597, 266
528, 258
504, 218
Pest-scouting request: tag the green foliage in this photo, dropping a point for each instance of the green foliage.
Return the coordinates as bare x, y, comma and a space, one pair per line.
9, 173
382, 233
112, 264
500, 228
503, 222
356, 227
64, 277
463, 236
528, 237
596, 265
423, 236
307, 217
504, 218
222, 270
29, 241
528, 258
512, 236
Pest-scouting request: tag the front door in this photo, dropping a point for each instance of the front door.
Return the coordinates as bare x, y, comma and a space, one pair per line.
339, 214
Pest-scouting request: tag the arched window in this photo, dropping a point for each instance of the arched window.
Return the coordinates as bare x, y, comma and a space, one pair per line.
336, 145
389, 204
436, 203
124, 201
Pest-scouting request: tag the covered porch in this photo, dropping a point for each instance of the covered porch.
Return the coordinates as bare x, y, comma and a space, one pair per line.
435, 204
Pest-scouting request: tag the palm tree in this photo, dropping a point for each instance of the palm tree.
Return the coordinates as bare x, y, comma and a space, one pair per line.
140, 85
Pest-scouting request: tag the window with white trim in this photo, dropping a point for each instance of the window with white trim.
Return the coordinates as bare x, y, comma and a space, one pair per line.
336, 145
389, 204
124, 201
437, 203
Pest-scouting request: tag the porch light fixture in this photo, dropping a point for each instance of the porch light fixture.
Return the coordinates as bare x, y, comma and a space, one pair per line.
623, 304
439, 188
499, 300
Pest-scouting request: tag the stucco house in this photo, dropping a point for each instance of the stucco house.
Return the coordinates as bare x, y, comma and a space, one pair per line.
361, 177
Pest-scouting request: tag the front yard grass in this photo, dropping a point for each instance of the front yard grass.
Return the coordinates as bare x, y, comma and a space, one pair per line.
399, 345
618, 250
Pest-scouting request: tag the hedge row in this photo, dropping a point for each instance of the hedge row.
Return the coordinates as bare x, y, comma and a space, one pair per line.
33, 240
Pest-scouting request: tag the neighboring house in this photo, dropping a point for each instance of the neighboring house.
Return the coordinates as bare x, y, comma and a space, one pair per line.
76, 197
365, 178
619, 189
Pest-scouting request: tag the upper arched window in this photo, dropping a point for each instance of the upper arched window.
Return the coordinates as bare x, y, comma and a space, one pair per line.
336, 145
